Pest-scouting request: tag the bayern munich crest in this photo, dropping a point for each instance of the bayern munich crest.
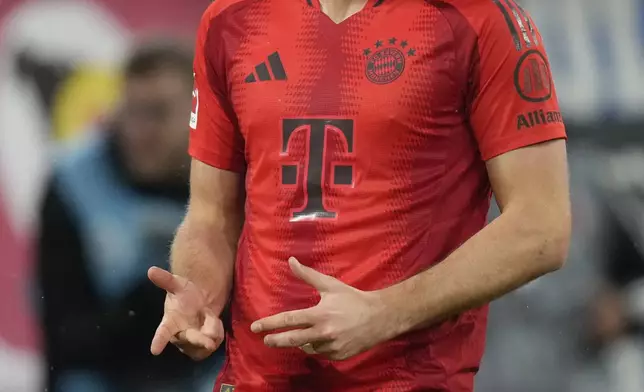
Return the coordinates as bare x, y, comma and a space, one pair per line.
386, 60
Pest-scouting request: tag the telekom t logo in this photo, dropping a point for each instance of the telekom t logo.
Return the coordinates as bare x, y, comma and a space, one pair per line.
315, 162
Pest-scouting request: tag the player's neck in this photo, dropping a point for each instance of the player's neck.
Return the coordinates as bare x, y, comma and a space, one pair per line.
341, 10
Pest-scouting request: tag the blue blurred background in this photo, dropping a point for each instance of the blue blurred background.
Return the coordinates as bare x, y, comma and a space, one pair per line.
579, 330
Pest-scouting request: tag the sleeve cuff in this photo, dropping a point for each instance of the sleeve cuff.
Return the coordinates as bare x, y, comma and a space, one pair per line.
213, 159
517, 141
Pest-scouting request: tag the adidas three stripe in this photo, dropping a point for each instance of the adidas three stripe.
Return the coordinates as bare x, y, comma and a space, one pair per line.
263, 70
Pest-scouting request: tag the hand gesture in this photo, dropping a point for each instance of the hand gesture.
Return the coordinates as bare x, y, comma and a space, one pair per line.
188, 322
344, 323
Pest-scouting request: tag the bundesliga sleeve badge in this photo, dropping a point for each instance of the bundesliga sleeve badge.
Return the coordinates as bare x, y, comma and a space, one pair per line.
195, 107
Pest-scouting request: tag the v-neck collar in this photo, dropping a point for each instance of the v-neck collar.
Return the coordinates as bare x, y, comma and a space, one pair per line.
370, 4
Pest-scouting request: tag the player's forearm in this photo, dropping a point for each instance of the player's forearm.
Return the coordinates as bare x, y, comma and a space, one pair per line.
513, 250
205, 254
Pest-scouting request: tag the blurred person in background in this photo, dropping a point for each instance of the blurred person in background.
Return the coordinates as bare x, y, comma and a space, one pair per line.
617, 324
109, 213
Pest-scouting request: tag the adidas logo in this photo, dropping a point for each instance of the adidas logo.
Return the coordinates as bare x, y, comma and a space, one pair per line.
262, 72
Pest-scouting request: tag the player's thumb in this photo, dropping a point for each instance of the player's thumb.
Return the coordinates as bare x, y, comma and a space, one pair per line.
316, 279
164, 280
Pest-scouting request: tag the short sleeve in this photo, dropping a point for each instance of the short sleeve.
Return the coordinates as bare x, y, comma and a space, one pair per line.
215, 138
514, 102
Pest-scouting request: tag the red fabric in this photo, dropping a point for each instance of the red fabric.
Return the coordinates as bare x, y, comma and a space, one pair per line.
16, 323
413, 97
138, 15
13, 317
6, 6
157, 15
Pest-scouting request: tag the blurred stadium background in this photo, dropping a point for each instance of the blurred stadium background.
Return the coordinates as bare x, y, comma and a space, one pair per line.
577, 331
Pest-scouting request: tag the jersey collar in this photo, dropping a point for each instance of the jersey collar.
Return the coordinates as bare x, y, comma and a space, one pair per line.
370, 3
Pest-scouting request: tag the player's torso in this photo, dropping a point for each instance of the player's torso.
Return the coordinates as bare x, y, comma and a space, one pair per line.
356, 141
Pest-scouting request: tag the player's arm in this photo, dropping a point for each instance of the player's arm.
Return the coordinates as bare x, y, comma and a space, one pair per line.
518, 126
203, 251
205, 244
201, 261
529, 239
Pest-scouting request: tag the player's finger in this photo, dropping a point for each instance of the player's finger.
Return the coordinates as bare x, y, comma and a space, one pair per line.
316, 279
162, 336
292, 319
192, 338
293, 338
164, 280
213, 328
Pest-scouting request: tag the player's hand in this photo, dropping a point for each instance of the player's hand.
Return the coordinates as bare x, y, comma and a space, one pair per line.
188, 322
345, 322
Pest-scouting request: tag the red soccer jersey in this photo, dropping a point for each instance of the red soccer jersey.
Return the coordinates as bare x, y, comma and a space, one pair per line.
363, 145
